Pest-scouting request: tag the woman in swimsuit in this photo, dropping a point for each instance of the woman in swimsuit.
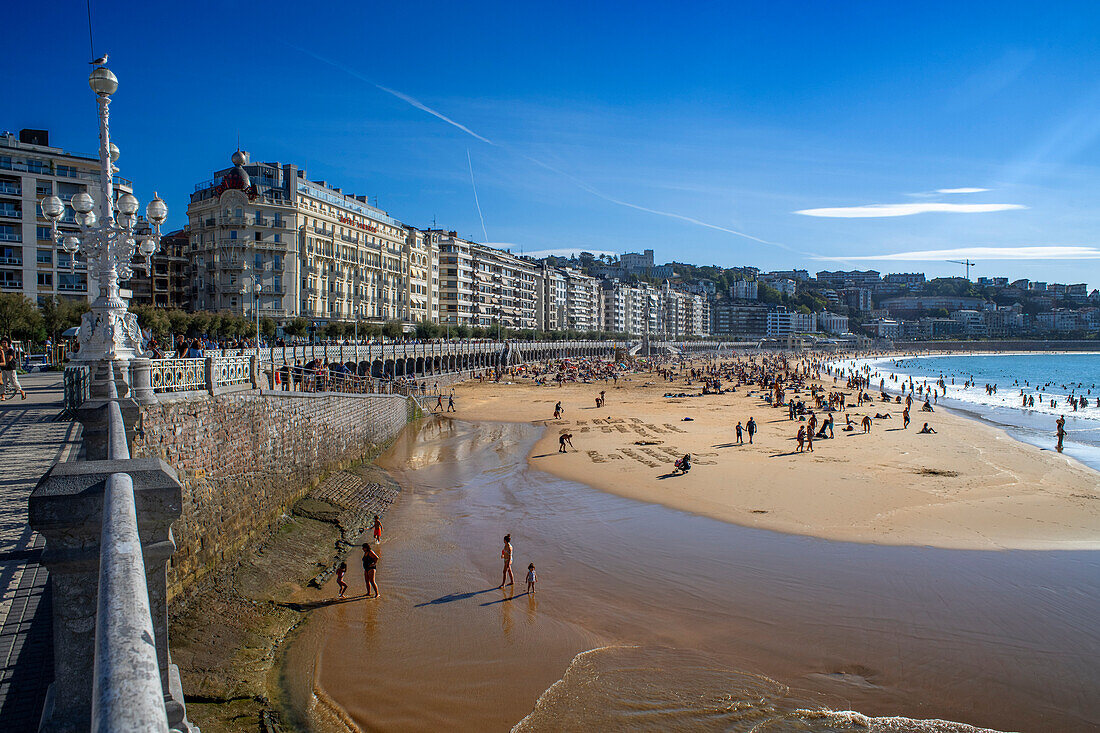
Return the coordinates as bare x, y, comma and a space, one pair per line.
506, 555
370, 567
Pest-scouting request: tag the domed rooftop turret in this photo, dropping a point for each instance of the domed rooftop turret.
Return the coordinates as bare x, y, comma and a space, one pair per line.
238, 177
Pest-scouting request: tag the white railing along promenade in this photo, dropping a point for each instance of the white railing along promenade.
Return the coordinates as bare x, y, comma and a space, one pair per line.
126, 684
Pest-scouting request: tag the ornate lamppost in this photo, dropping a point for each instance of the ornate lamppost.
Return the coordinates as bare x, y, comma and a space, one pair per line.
109, 240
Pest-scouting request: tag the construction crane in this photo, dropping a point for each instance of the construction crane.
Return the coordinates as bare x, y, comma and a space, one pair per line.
966, 262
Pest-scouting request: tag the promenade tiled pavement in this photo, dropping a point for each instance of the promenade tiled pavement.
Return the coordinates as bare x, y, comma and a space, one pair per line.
31, 440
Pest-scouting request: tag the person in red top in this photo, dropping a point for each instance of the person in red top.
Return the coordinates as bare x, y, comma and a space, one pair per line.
377, 527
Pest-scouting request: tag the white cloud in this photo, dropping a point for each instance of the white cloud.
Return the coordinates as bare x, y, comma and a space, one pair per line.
882, 210
566, 252
1043, 252
961, 190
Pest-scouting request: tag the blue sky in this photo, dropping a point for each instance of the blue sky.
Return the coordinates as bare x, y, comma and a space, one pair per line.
699, 130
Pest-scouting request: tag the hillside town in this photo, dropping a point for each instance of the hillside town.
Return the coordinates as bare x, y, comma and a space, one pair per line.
265, 241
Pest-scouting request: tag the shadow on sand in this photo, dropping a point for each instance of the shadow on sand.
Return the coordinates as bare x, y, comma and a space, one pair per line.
450, 598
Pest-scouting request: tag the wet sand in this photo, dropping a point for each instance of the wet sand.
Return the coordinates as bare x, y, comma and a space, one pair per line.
735, 627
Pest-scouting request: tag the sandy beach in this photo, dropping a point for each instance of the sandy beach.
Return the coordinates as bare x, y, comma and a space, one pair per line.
969, 486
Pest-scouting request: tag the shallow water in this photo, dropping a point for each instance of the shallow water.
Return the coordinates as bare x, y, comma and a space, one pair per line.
1058, 374
697, 624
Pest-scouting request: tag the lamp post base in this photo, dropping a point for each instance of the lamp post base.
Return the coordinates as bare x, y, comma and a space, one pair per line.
108, 334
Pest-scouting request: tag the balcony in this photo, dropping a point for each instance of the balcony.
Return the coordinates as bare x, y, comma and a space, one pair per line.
10, 189
6, 237
73, 287
10, 212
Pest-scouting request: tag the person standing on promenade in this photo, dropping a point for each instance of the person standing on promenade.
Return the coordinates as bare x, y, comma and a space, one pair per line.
506, 555
370, 568
439, 402
1061, 432
8, 363
376, 528
750, 426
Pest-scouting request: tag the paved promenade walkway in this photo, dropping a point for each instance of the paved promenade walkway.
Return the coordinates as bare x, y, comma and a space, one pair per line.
30, 442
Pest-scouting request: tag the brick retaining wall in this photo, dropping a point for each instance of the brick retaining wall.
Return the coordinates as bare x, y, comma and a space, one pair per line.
244, 459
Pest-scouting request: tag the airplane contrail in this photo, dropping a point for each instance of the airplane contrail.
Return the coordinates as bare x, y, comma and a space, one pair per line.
414, 102
476, 202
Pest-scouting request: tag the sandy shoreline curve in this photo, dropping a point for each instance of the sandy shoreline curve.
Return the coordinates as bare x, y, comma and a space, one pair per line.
969, 486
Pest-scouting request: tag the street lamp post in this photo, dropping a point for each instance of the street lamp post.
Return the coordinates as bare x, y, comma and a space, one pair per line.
108, 333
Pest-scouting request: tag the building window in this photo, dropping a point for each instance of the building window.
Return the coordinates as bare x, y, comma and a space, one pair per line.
45, 257
278, 238
43, 188
44, 234
45, 280
278, 259
278, 283
259, 261
258, 236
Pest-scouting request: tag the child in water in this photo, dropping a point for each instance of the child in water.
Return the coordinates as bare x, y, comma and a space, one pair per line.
532, 578
377, 526
340, 578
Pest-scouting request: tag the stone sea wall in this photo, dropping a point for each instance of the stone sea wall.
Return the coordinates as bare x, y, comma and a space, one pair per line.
244, 459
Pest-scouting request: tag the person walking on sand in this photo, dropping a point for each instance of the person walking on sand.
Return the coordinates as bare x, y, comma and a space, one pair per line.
506, 555
532, 578
563, 439
376, 528
866, 423
343, 568
370, 568
1061, 431
750, 426
740, 430
905, 418
801, 438
557, 411
451, 403
439, 402
810, 440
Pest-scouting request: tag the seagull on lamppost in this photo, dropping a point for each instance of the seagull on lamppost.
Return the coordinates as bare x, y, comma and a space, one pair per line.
101, 61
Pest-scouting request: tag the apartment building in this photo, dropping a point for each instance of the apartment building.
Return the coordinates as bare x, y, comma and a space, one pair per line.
168, 285
745, 290
551, 293
456, 277
505, 288
31, 262
582, 301
263, 235
732, 320
784, 322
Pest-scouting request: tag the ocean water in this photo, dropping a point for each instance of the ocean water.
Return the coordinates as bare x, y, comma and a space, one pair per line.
1049, 377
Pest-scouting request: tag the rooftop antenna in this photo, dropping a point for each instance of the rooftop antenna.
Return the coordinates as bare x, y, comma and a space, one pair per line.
966, 262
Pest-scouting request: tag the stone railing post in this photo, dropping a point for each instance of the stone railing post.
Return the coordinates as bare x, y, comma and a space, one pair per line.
210, 374
141, 374
254, 372
66, 508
